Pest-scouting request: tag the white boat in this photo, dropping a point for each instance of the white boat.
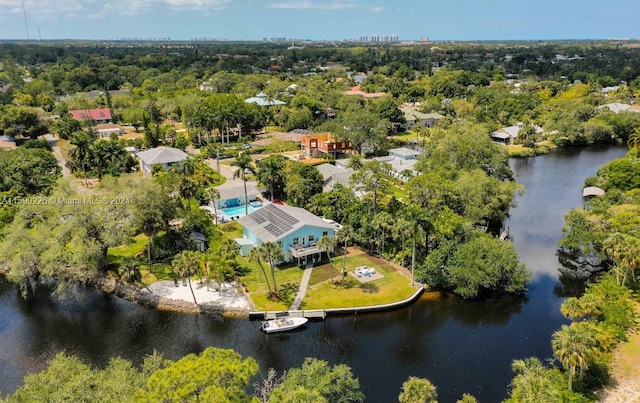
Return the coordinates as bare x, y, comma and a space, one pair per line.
282, 324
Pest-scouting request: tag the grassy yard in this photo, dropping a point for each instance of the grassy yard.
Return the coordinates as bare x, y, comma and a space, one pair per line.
406, 137
627, 355
137, 248
321, 294
287, 277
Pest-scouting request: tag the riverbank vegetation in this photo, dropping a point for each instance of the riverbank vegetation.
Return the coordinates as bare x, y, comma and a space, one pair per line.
214, 375
600, 241
440, 220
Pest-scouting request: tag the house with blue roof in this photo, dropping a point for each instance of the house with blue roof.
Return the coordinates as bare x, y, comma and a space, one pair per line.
294, 229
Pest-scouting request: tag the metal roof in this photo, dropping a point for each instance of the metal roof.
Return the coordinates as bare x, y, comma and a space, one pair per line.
162, 155
237, 191
273, 222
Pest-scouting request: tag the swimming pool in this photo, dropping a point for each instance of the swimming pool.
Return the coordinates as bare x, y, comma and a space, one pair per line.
238, 211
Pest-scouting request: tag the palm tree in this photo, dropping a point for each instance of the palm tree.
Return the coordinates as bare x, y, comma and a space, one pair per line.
218, 267
355, 162
130, 272
244, 163
272, 253
212, 194
229, 249
257, 256
625, 251
532, 382
402, 230
345, 235
81, 151
186, 264
108, 156
328, 244
187, 167
415, 215
634, 139
214, 151
382, 222
270, 170
576, 347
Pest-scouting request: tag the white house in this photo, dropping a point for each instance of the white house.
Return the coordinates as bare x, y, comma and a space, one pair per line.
508, 134
294, 229
105, 129
165, 157
334, 174
232, 194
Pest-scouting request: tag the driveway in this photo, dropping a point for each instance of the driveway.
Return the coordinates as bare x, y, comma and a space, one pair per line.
57, 152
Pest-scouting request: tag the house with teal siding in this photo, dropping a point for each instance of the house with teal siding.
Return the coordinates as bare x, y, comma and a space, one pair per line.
294, 229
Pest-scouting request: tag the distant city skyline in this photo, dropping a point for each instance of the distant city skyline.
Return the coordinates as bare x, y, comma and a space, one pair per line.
319, 19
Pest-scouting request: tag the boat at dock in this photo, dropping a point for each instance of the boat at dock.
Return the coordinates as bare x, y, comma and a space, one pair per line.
282, 324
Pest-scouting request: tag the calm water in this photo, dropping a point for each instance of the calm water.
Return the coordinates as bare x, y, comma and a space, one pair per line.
460, 346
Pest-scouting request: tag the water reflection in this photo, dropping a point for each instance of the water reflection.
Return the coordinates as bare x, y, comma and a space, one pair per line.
460, 346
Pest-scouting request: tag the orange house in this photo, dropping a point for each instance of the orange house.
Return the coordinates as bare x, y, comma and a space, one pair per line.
314, 145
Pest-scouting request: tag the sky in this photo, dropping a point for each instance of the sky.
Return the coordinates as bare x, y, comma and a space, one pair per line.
320, 19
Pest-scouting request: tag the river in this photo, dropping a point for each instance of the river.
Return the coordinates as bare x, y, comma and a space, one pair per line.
459, 346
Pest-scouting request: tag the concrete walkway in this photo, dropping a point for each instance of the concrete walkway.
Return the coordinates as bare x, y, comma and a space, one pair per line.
304, 283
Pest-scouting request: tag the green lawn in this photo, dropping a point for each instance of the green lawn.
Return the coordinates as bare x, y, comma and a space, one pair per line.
288, 277
407, 137
117, 254
137, 248
321, 294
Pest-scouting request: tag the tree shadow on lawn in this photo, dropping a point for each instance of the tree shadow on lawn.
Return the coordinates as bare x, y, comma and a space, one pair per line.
369, 288
288, 292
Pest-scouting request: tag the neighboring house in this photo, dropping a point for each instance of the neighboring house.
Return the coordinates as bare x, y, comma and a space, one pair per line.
294, 229
106, 129
165, 157
357, 91
232, 195
333, 175
419, 119
7, 143
508, 134
400, 166
262, 99
131, 150
314, 145
359, 78
618, 107
404, 153
98, 116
